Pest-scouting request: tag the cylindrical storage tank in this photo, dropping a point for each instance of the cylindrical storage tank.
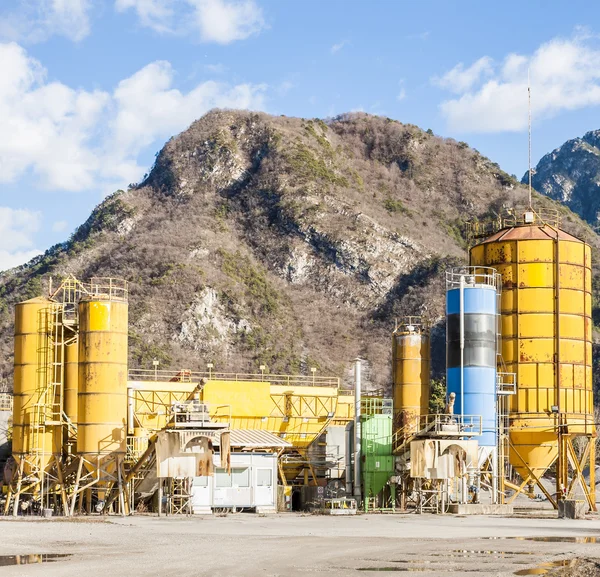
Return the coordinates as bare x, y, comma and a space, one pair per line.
102, 411
32, 440
546, 334
411, 360
71, 352
471, 346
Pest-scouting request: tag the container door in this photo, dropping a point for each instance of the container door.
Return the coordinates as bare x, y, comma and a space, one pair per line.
265, 490
201, 495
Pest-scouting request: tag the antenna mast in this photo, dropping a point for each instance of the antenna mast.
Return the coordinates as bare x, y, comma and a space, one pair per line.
529, 128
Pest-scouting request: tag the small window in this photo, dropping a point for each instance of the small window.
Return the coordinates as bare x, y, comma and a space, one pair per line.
222, 478
200, 482
264, 477
241, 477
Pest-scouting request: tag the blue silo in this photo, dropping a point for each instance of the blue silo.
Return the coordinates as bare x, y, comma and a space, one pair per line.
471, 321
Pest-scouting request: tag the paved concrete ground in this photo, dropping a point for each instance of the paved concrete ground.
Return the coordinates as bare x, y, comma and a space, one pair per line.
290, 545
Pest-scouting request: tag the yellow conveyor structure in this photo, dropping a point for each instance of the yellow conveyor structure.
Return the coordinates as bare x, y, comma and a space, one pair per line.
297, 412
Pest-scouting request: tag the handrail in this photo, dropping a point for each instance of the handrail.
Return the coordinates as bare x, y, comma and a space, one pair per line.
514, 217
195, 376
467, 276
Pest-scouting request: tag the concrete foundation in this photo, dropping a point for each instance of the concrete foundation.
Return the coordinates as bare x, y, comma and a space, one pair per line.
480, 509
572, 509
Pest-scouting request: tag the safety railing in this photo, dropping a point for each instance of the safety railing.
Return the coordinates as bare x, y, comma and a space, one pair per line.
410, 325
135, 448
438, 425
452, 425
513, 217
196, 376
376, 406
506, 383
108, 288
473, 276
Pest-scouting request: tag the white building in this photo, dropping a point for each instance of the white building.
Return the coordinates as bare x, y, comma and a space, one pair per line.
253, 480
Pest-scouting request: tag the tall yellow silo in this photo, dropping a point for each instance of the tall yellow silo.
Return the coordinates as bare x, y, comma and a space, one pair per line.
34, 439
411, 360
546, 307
102, 407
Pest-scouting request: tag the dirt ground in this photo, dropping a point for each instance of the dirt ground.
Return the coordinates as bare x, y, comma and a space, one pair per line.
292, 544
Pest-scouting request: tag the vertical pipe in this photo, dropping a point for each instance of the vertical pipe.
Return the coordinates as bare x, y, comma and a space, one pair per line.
561, 461
357, 427
462, 348
348, 438
160, 496
495, 477
130, 393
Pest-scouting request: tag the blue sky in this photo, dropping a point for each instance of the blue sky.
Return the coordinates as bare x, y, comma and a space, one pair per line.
91, 89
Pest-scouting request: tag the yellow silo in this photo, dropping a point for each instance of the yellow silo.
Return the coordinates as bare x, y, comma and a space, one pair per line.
411, 359
34, 441
71, 379
102, 406
546, 307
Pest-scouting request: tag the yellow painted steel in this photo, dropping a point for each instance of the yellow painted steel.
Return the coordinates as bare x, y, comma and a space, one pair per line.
546, 309
71, 379
299, 414
102, 398
33, 440
411, 360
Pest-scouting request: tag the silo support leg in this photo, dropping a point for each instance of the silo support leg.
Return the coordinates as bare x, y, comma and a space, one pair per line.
578, 468
76, 488
593, 472
517, 489
10, 492
312, 472
61, 483
18, 493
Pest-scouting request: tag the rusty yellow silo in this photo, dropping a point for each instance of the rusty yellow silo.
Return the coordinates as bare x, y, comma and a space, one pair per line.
71, 352
546, 307
411, 359
102, 407
34, 439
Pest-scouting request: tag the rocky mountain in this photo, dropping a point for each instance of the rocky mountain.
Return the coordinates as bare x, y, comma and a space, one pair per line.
281, 241
571, 175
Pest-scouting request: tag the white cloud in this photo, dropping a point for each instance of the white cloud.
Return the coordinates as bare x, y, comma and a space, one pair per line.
337, 47
60, 226
155, 14
402, 93
37, 20
284, 87
80, 140
460, 79
149, 108
215, 68
49, 124
224, 21
17, 227
219, 21
492, 96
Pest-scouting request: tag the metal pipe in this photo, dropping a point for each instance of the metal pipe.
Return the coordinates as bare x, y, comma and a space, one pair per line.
130, 411
495, 477
357, 427
349, 431
462, 347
